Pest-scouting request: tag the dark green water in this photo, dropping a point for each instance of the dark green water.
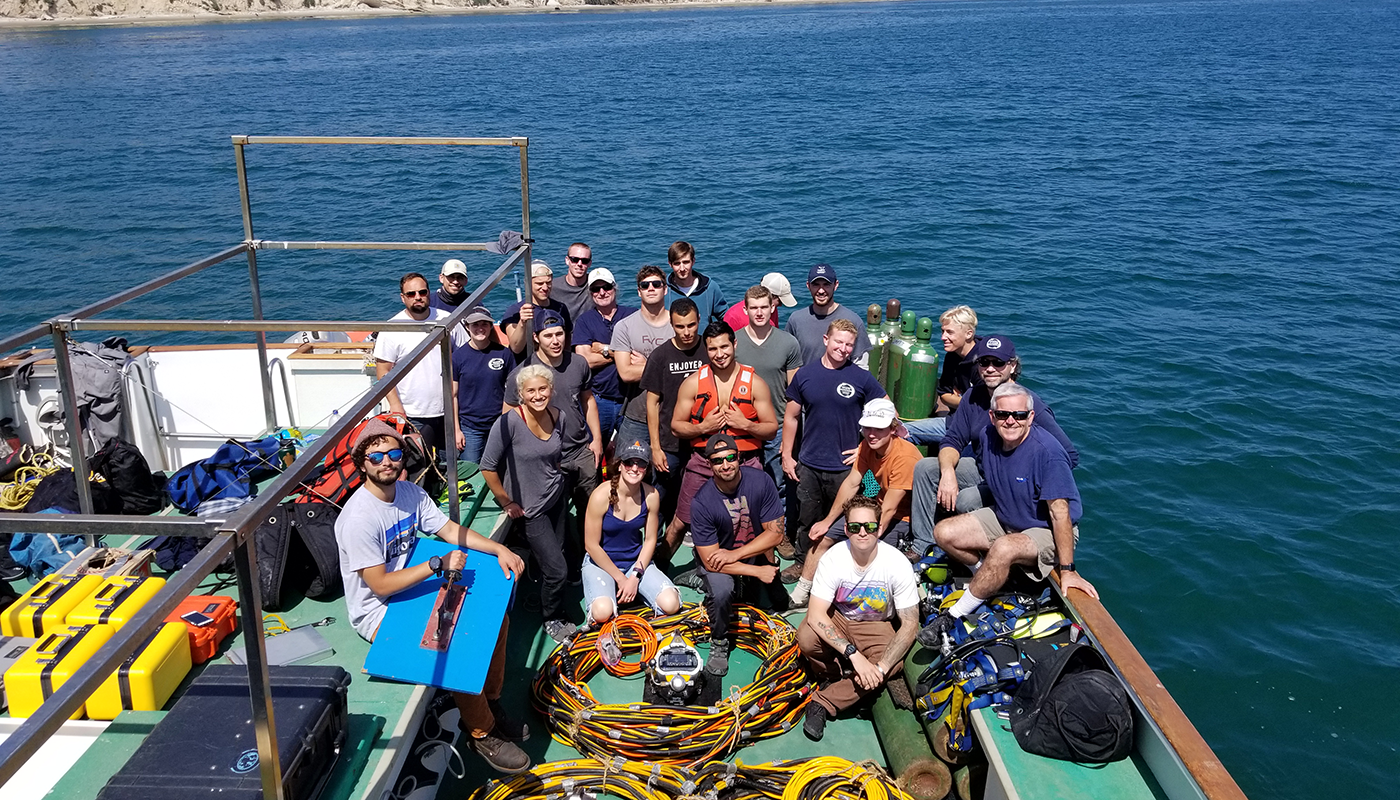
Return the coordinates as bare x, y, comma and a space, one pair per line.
1187, 215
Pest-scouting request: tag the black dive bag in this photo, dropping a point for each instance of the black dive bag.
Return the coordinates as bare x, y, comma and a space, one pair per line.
205, 746
1071, 707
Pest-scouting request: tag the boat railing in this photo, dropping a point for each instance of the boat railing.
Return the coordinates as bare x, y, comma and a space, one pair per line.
233, 535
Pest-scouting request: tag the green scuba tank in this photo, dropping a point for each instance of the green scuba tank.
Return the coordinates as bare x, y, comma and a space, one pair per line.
897, 352
888, 331
919, 378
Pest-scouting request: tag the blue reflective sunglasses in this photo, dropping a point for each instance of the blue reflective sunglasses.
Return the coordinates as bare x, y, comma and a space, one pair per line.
395, 455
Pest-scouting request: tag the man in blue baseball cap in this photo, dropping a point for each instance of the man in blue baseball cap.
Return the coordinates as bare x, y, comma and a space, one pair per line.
809, 324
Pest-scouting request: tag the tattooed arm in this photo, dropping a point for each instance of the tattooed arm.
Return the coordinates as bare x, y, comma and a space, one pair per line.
903, 640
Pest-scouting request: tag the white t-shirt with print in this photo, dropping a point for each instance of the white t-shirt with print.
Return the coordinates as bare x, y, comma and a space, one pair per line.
370, 532
887, 585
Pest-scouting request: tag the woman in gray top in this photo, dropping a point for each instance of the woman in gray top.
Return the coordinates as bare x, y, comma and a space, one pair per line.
525, 444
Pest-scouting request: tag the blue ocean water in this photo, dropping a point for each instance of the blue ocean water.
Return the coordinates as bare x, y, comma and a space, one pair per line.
1184, 213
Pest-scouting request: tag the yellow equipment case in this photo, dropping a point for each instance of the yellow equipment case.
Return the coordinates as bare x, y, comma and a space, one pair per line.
116, 602
147, 678
49, 664
46, 606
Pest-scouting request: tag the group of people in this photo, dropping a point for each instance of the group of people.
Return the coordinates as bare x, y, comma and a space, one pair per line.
714, 422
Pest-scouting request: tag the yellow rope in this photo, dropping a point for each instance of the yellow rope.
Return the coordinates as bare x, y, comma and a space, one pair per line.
15, 494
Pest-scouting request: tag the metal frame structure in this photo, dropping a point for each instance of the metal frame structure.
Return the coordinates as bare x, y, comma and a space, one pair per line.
234, 534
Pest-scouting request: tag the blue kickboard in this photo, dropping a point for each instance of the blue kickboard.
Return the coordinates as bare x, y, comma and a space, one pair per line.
397, 652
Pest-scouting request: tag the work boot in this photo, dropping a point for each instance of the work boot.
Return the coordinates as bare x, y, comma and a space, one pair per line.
791, 573
507, 726
786, 551
931, 636
899, 693
501, 754
718, 662
815, 723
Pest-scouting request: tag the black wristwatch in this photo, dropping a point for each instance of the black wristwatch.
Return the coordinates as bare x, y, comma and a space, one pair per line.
849, 651
435, 564
1063, 568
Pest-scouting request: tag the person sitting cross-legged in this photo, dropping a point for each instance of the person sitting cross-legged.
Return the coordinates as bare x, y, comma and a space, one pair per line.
861, 585
619, 535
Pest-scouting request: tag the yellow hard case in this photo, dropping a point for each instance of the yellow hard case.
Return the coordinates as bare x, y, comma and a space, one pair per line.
46, 606
50, 663
145, 681
116, 602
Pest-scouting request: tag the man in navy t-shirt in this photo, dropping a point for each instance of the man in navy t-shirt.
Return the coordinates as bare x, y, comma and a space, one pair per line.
736, 519
1034, 524
479, 373
828, 394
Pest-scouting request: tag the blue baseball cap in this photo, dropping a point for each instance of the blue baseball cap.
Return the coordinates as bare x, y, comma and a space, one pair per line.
823, 271
546, 318
994, 346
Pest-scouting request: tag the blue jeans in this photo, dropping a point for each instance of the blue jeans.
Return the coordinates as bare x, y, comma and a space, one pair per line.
474, 443
599, 585
609, 412
972, 494
926, 432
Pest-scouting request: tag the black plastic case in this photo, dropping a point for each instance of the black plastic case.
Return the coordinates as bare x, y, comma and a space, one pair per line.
205, 745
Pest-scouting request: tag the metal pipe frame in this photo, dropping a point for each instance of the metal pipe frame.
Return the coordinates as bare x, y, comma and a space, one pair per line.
238, 325
72, 421
266, 244
508, 141
107, 525
245, 205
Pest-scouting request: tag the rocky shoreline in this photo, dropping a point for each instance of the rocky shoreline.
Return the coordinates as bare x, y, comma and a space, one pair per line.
63, 13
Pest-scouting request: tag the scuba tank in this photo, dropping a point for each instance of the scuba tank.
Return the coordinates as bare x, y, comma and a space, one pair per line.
919, 378
896, 353
872, 333
888, 331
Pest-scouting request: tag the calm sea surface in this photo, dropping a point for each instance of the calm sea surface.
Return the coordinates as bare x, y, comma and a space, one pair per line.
1187, 215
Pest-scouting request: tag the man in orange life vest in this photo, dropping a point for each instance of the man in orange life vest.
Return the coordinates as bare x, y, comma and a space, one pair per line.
724, 396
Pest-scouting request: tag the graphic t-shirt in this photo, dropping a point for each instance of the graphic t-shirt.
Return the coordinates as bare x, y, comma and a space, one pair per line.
370, 532
420, 391
887, 585
894, 471
732, 521
481, 383
832, 401
1024, 481
593, 327
667, 368
636, 335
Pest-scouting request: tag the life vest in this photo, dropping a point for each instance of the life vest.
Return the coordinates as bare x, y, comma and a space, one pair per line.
706, 398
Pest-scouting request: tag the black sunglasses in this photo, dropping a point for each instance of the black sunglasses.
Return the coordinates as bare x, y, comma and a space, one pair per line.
419, 293
990, 361
856, 527
1021, 416
651, 284
601, 287
395, 455
724, 459
584, 260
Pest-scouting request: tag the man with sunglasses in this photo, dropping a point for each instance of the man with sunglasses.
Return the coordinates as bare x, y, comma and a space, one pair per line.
376, 533
453, 291
1034, 520
889, 460
736, 521
593, 333
633, 341
952, 479
862, 585
573, 291
419, 395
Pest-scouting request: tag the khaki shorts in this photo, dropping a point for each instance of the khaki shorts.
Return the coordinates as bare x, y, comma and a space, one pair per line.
1043, 538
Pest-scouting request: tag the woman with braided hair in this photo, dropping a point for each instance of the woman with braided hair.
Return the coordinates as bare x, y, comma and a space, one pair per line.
619, 537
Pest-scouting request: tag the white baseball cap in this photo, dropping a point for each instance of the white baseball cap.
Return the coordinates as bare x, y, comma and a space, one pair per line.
539, 269
454, 266
878, 413
600, 274
779, 286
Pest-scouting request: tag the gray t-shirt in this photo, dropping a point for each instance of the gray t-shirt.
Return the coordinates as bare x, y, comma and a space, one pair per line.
636, 335
528, 465
571, 377
370, 532
576, 299
810, 330
771, 360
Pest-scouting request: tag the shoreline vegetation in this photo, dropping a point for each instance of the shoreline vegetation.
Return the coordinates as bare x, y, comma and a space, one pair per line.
41, 14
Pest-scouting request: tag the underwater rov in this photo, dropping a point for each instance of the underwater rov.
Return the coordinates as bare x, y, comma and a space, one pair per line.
676, 674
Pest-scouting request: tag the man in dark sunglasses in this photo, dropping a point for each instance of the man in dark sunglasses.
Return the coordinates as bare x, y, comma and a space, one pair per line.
1033, 523
861, 586
376, 533
419, 395
573, 290
951, 481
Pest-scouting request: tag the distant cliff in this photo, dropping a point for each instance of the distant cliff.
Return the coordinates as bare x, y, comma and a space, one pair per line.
136, 10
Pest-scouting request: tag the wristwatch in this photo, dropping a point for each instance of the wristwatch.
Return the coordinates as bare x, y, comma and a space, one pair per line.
607, 351
849, 651
1062, 568
435, 564
639, 571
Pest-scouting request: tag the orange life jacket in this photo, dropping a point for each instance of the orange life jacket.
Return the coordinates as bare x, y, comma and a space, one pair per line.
707, 397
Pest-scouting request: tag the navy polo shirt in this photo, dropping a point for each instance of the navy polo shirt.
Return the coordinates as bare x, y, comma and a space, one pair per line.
592, 327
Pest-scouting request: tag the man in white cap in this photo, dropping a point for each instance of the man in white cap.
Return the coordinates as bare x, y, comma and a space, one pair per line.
889, 462
518, 321
737, 316
593, 335
453, 291
419, 395
376, 533
573, 290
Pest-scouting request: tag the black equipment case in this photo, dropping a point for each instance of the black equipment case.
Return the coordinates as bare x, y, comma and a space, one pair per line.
206, 746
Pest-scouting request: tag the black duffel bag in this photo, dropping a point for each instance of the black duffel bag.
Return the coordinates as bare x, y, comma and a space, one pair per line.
1071, 707
139, 490
297, 554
